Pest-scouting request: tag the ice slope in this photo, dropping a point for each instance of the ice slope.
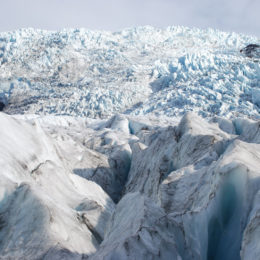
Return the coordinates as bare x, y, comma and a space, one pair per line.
99, 162
136, 71
180, 190
46, 211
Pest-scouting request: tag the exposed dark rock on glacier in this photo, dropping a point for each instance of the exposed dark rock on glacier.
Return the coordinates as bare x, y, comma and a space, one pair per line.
3, 102
2, 105
251, 51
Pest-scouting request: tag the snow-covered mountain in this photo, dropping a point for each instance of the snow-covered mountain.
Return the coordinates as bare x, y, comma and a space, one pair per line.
99, 158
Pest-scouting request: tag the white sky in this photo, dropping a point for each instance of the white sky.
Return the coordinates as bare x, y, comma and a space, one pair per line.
228, 15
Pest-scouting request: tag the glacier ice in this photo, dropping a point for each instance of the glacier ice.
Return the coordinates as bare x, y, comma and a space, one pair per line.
190, 190
136, 71
102, 158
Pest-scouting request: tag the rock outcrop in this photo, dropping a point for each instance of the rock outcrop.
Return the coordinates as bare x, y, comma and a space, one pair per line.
251, 51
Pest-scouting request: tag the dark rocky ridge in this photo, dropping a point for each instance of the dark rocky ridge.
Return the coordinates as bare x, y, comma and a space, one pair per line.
251, 51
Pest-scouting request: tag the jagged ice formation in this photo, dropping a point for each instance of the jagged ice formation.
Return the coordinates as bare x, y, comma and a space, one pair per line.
135, 71
100, 157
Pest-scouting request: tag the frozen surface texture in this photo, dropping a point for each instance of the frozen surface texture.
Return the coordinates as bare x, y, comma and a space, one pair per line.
136, 71
100, 157
129, 188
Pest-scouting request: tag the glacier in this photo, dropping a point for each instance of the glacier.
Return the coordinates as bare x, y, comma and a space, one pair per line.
128, 188
139, 144
136, 71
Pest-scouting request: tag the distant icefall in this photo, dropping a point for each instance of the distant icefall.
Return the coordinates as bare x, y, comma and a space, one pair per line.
138, 71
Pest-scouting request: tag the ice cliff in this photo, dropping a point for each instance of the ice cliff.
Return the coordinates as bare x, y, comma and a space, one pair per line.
101, 158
